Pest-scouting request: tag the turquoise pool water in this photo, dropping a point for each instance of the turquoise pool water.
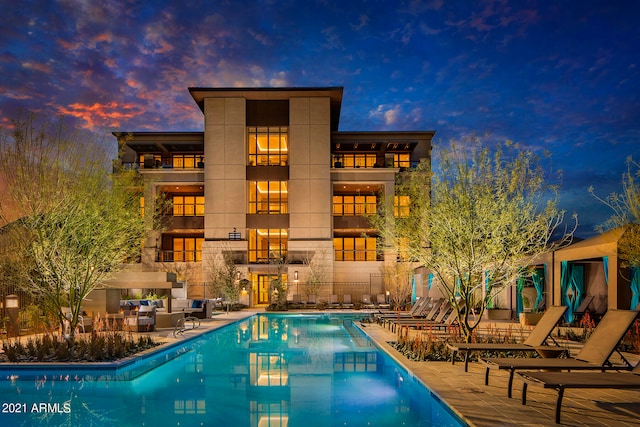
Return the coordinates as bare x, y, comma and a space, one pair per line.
266, 371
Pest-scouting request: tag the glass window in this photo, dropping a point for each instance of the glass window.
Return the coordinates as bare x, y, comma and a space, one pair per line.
401, 160
355, 248
187, 249
268, 197
354, 205
188, 205
267, 245
352, 160
268, 146
401, 206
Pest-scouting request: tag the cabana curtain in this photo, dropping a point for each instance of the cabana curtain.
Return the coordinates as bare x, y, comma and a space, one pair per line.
605, 263
571, 287
413, 289
519, 287
635, 287
538, 282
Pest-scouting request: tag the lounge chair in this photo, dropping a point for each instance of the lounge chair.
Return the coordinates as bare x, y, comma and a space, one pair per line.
143, 321
437, 316
536, 338
594, 355
417, 306
346, 301
381, 301
333, 301
311, 300
426, 310
567, 380
366, 301
582, 308
84, 323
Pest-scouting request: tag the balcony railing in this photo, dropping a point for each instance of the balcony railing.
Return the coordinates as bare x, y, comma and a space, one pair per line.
178, 256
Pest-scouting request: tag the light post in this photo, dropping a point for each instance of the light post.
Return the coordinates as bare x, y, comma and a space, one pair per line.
12, 305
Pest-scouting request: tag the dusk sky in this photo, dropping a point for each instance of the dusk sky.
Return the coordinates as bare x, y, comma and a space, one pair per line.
561, 76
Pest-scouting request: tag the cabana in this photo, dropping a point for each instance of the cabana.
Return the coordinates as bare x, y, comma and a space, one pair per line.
591, 267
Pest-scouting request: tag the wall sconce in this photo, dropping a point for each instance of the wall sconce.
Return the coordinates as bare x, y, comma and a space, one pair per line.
295, 276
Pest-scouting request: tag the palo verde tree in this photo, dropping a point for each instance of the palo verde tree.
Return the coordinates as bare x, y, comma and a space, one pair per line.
626, 213
75, 222
487, 214
223, 276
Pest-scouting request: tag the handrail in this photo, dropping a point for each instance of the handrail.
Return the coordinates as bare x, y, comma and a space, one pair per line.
181, 325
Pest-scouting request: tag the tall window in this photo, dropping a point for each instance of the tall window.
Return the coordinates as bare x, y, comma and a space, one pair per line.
401, 160
188, 205
267, 244
355, 248
268, 146
187, 249
268, 197
401, 206
354, 205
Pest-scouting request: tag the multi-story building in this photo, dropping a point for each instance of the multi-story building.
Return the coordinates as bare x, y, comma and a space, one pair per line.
271, 178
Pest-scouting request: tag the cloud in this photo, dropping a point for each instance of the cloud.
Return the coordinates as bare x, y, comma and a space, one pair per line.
97, 116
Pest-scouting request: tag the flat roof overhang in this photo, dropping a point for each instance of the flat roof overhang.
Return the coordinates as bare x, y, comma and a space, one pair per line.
162, 142
273, 93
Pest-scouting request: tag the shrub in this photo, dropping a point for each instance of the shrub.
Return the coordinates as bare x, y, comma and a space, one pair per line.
97, 347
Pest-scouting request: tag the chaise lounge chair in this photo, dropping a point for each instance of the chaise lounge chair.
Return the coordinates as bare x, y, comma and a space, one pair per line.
441, 314
419, 309
536, 338
567, 380
594, 355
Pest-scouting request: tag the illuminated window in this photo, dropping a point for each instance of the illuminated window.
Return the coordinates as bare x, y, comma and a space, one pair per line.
401, 160
268, 197
267, 245
354, 205
402, 248
188, 205
352, 160
142, 206
187, 161
187, 249
355, 248
268, 146
401, 206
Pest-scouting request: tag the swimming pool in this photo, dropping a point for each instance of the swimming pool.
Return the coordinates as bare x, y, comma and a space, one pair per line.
266, 371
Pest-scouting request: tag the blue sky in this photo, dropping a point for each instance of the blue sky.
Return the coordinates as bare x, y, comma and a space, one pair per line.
561, 76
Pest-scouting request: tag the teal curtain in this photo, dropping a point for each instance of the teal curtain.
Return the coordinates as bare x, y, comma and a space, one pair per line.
571, 287
605, 262
487, 283
577, 283
413, 289
519, 287
565, 280
538, 282
430, 281
635, 287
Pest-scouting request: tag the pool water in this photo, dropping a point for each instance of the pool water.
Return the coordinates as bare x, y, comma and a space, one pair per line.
265, 371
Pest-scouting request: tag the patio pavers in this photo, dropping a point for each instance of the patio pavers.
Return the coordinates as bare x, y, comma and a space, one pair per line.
481, 405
